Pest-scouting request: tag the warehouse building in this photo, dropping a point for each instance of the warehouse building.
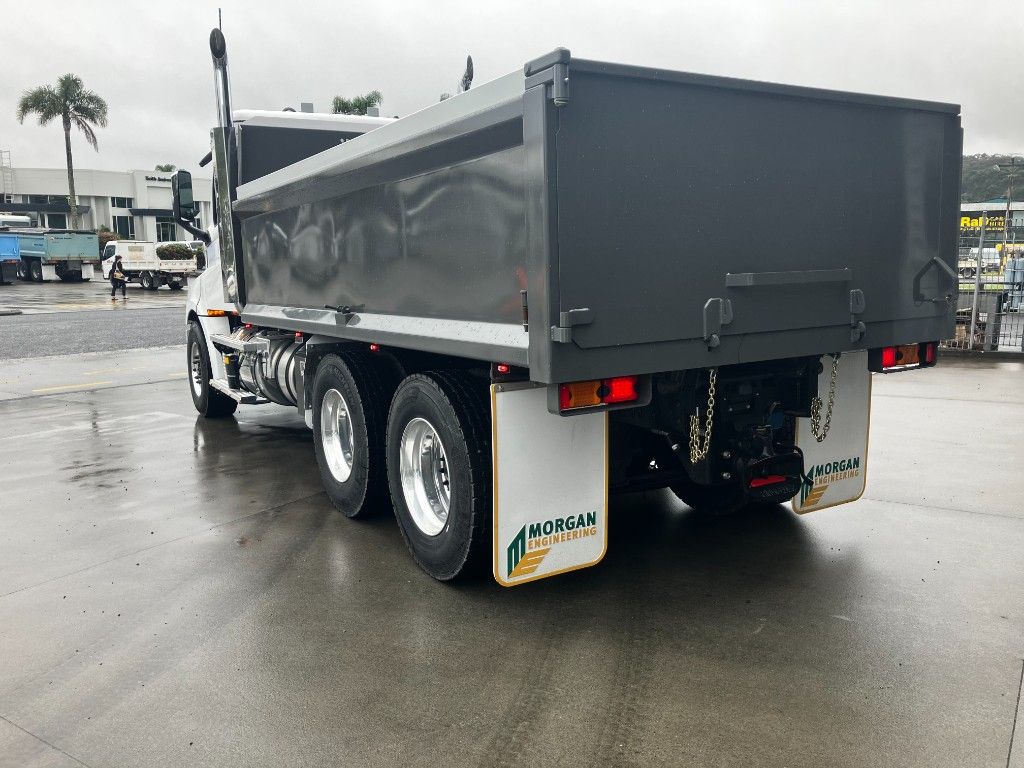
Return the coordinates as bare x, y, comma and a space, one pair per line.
997, 228
136, 204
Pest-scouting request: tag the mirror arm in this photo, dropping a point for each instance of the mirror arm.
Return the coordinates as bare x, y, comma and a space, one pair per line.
189, 227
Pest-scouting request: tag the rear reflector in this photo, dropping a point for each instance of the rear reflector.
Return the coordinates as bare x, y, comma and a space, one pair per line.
589, 394
579, 394
759, 482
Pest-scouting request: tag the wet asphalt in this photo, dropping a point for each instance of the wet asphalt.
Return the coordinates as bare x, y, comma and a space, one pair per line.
57, 318
179, 592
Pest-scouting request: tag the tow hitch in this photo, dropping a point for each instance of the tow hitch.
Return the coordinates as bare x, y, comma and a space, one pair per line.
773, 479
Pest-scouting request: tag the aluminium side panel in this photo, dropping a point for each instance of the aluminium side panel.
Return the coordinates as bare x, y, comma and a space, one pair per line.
413, 238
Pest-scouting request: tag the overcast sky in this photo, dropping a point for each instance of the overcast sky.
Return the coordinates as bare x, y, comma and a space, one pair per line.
151, 62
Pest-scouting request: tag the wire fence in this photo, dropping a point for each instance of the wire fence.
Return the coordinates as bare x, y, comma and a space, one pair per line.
990, 299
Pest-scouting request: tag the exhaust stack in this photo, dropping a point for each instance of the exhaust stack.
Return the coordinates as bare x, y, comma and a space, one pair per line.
221, 81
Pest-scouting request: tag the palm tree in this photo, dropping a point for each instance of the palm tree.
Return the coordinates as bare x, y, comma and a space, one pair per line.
75, 106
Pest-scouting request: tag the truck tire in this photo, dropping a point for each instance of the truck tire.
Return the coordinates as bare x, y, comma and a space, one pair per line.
174, 285
207, 400
351, 393
23, 270
146, 281
35, 270
439, 470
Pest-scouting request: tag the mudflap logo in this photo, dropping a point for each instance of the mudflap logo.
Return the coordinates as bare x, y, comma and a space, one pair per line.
824, 475
534, 541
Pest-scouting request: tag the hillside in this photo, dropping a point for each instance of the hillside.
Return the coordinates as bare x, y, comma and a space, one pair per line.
983, 181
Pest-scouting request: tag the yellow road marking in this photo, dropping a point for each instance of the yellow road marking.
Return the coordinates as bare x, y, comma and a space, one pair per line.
84, 385
176, 375
116, 370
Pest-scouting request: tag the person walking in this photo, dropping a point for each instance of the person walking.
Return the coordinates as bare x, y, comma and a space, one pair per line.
118, 279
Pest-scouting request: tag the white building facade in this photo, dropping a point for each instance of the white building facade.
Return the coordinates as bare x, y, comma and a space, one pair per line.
136, 204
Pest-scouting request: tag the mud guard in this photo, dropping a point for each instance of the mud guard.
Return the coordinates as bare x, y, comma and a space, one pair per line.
838, 464
550, 486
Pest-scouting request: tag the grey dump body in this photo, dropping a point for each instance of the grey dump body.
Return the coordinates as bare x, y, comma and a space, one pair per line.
656, 221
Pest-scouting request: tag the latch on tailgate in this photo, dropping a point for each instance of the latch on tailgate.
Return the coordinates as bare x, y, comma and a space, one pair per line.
717, 312
857, 327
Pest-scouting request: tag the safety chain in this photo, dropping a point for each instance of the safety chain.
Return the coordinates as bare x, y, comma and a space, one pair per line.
697, 450
816, 429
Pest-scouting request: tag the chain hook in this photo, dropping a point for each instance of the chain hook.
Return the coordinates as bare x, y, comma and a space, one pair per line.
819, 432
699, 449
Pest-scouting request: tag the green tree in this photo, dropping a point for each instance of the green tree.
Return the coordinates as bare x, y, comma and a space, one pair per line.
983, 180
104, 235
165, 168
356, 105
76, 106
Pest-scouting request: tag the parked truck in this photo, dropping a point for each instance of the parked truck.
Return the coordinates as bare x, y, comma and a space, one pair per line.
49, 254
8, 220
575, 280
141, 262
10, 257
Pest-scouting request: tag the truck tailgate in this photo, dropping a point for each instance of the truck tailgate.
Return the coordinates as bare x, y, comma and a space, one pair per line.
674, 189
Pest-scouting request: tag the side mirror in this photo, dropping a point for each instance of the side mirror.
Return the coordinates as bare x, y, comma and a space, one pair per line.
185, 206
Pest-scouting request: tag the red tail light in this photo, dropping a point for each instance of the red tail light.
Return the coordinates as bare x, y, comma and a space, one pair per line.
759, 482
375, 347
565, 397
621, 389
591, 394
889, 357
903, 357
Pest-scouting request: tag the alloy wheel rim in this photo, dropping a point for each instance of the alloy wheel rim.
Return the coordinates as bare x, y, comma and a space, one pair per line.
426, 484
196, 369
336, 435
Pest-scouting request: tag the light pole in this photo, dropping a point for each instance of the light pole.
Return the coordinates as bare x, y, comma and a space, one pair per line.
977, 284
1011, 167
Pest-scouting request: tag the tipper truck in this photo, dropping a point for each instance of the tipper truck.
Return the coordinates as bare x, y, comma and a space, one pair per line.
10, 257
575, 280
49, 254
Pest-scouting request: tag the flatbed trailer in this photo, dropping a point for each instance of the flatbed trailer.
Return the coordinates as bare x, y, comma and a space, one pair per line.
578, 278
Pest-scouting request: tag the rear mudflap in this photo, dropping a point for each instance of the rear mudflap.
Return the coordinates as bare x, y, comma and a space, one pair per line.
836, 464
550, 486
